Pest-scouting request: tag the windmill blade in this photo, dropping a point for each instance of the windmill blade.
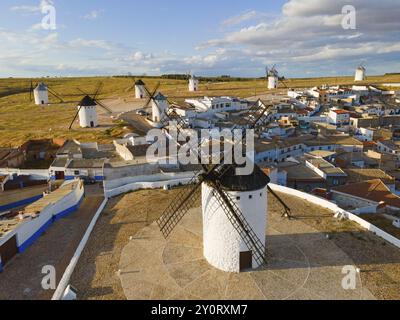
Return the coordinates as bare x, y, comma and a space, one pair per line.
103, 106
179, 207
151, 95
55, 94
31, 91
241, 225
100, 86
76, 115
83, 92
280, 80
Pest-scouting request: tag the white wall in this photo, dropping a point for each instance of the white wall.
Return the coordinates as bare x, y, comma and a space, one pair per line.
35, 174
222, 243
335, 209
140, 185
26, 230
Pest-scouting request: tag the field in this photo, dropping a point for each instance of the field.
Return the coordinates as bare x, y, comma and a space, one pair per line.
21, 120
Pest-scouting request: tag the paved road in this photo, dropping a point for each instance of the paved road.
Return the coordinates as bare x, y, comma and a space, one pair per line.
22, 277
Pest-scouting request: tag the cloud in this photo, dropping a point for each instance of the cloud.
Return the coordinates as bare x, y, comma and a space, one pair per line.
248, 15
306, 38
33, 9
311, 31
93, 15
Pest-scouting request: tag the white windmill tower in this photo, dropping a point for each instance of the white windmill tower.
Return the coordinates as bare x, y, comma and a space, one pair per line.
159, 106
87, 110
224, 248
41, 94
360, 73
234, 209
193, 83
273, 78
140, 92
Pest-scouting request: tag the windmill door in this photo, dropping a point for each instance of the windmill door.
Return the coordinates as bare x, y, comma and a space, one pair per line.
246, 260
8, 250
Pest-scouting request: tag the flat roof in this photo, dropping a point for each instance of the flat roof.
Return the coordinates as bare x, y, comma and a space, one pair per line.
300, 172
51, 198
14, 219
326, 167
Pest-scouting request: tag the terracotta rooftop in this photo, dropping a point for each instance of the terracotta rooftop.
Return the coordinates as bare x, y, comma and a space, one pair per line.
359, 175
341, 111
374, 190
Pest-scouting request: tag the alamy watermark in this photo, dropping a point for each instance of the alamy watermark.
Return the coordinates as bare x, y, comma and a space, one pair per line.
49, 20
49, 281
210, 147
349, 282
349, 20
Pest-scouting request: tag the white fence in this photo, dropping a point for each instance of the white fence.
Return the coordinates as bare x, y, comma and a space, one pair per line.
333, 207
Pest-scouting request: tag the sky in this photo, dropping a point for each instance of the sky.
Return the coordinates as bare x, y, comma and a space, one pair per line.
303, 38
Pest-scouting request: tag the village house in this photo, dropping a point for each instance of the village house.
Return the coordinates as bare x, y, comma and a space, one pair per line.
365, 194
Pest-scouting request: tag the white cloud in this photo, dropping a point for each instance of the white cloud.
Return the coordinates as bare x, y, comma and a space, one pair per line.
310, 31
93, 15
306, 38
33, 9
248, 15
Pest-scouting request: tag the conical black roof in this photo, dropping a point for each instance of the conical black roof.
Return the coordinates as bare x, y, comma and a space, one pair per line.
255, 181
41, 87
87, 102
139, 83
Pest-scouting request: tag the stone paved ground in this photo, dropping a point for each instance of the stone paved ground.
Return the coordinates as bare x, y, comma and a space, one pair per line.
299, 249
303, 264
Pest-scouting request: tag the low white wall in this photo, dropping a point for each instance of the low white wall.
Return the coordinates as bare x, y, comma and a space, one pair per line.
333, 207
145, 185
29, 228
116, 183
58, 294
35, 174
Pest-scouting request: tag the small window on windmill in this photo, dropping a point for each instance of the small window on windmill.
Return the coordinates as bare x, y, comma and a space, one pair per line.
237, 198
250, 197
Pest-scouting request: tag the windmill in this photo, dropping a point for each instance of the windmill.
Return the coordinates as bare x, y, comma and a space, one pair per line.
161, 111
360, 73
87, 109
193, 82
40, 93
273, 78
138, 86
228, 213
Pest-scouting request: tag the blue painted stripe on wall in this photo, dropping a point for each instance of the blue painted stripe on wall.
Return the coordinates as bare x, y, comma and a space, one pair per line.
1, 267
56, 217
99, 178
68, 211
34, 237
20, 203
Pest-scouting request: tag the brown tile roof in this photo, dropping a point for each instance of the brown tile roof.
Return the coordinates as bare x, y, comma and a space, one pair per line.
374, 190
359, 175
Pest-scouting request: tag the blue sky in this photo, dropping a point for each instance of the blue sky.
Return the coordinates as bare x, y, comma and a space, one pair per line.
99, 37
